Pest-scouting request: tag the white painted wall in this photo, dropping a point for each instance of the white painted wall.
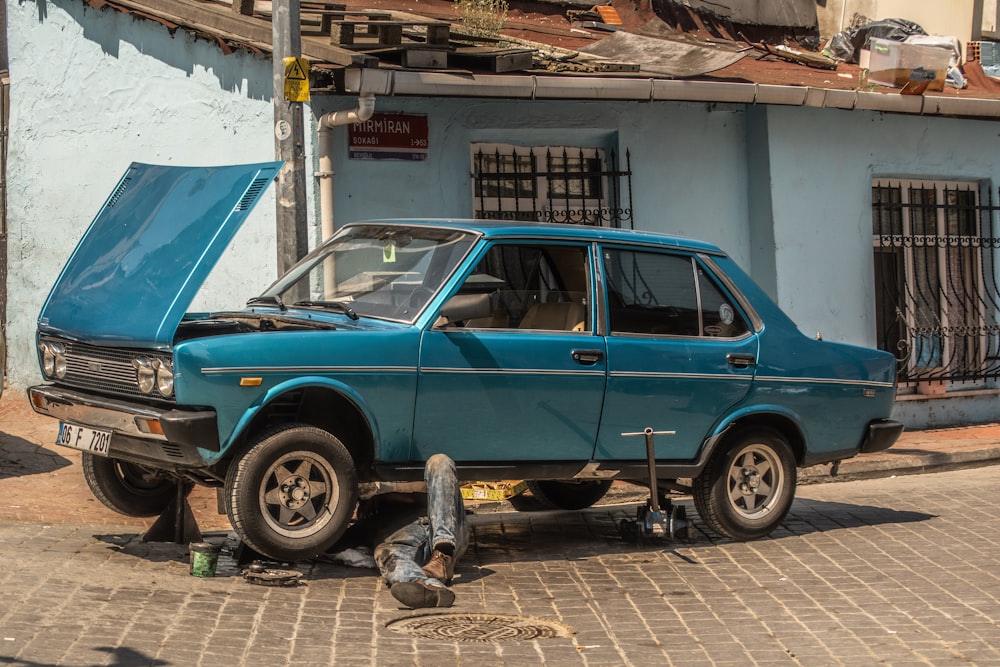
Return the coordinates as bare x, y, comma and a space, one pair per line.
85, 102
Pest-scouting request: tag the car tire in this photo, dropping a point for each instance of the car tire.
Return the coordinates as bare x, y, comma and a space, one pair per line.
748, 486
547, 494
127, 488
291, 496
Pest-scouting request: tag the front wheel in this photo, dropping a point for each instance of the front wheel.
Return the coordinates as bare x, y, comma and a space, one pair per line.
748, 486
292, 494
128, 488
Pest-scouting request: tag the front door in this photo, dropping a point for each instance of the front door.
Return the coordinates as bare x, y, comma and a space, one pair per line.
526, 383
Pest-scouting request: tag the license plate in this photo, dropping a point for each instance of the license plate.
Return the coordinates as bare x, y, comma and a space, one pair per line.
88, 439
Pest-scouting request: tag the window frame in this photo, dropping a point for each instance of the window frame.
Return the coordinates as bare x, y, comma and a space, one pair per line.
701, 270
539, 194
905, 215
585, 248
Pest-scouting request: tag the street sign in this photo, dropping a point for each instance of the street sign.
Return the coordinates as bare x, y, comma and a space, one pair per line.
389, 136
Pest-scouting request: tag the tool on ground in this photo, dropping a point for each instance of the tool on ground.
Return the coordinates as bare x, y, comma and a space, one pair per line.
659, 518
261, 575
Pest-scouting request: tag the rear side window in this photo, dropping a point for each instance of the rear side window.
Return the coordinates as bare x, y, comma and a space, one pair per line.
662, 294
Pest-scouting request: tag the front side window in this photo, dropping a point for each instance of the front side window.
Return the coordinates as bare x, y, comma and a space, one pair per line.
532, 287
386, 271
666, 295
933, 264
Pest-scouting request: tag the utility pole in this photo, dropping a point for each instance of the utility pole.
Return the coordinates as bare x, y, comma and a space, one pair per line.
292, 227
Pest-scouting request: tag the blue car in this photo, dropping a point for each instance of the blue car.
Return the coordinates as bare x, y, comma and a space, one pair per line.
521, 350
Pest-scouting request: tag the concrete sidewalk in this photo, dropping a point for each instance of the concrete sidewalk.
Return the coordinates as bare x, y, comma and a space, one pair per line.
919, 451
42, 483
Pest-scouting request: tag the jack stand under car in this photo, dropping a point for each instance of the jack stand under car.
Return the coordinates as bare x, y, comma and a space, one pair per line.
659, 518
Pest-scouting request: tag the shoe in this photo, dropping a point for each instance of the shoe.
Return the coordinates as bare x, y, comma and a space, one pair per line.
420, 594
441, 567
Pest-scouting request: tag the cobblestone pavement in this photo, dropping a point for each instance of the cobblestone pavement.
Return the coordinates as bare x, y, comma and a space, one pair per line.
893, 571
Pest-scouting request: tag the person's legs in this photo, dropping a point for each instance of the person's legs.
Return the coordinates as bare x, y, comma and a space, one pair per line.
445, 508
396, 557
436, 541
449, 530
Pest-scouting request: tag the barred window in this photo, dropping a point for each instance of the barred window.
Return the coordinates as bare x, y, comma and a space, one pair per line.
550, 184
935, 292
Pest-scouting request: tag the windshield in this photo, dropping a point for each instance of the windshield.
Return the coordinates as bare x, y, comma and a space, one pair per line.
386, 271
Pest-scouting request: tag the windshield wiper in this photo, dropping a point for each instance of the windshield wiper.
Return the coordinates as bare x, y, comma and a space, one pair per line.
339, 305
276, 300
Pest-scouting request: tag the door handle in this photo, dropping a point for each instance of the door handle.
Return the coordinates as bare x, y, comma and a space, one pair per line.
588, 356
741, 360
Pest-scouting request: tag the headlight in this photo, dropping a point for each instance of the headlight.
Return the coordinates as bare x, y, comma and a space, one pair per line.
145, 374
53, 359
164, 377
154, 373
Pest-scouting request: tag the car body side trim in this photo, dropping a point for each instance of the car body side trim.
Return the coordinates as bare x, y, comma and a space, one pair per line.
510, 371
859, 383
686, 376
311, 370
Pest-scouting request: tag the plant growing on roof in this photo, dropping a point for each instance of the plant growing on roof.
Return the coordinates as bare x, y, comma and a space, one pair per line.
483, 18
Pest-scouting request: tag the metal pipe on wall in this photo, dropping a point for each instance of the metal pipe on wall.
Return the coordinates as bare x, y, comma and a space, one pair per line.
364, 111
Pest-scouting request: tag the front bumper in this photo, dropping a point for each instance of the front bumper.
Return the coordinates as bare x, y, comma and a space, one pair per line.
882, 433
140, 431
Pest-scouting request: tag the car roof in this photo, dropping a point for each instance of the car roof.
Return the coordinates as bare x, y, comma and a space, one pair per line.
500, 229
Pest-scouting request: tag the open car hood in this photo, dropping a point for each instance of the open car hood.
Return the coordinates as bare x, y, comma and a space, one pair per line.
146, 254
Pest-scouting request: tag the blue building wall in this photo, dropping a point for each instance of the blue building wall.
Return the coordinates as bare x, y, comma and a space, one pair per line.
688, 160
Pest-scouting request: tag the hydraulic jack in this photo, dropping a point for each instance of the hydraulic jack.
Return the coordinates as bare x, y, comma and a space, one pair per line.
659, 518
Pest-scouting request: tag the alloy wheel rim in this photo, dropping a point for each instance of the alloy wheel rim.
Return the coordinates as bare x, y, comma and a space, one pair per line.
297, 494
755, 481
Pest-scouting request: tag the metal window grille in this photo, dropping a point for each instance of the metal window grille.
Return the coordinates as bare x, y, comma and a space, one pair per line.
936, 292
546, 184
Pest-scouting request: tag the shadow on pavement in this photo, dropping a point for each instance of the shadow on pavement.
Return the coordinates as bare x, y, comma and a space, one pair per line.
121, 656
512, 537
529, 536
21, 457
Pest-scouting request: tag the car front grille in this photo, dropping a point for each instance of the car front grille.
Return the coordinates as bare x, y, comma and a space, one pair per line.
108, 370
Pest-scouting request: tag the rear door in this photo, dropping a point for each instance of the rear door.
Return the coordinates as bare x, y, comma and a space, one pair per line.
679, 353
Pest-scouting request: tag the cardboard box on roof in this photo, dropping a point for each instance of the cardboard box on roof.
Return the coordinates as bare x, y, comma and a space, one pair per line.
896, 64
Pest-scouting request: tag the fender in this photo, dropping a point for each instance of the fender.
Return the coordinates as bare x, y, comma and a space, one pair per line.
304, 382
749, 412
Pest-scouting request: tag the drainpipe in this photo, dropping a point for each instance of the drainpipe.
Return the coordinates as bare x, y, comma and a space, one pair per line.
364, 111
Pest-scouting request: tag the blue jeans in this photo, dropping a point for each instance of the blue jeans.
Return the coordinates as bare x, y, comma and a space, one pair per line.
401, 555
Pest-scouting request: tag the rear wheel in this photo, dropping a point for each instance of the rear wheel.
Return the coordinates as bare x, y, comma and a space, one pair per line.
554, 494
748, 486
128, 488
292, 494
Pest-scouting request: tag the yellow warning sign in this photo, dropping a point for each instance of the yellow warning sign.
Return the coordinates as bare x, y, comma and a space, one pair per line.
296, 79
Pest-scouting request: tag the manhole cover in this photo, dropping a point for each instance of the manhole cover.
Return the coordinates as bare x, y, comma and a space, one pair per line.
478, 627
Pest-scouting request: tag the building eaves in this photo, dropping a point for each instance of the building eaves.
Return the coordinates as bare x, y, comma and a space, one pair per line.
546, 87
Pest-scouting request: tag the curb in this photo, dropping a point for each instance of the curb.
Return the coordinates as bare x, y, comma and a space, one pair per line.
899, 464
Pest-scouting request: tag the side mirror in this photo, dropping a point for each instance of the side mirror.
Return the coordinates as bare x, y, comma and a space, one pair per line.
464, 307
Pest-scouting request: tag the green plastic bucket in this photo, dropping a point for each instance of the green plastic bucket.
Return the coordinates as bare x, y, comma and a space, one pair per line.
204, 559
